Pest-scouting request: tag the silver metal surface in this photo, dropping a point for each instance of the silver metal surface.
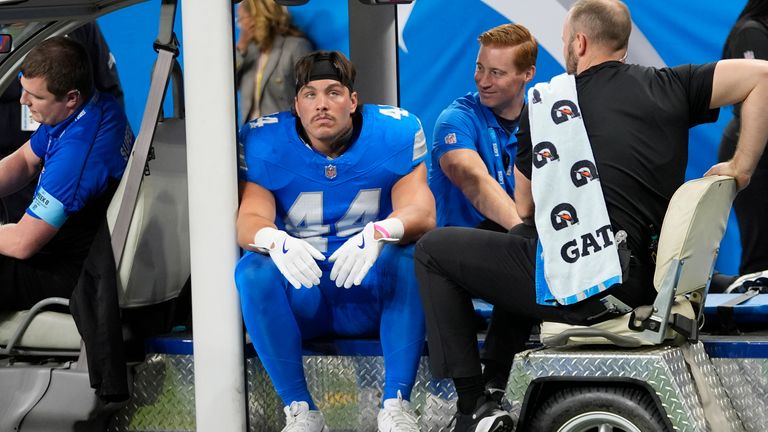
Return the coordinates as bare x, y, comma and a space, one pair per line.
602, 421
663, 368
347, 389
702, 361
746, 383
162, 397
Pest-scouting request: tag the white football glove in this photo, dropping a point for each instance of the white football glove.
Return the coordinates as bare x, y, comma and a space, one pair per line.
295, 258
356, 256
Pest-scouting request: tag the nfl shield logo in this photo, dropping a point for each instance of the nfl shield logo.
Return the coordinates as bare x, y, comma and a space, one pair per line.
330, 172
450, 138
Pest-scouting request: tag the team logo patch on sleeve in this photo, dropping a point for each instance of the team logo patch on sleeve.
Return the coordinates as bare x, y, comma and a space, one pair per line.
450, 138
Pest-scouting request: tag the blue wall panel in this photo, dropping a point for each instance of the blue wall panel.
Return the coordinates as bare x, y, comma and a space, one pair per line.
438, 48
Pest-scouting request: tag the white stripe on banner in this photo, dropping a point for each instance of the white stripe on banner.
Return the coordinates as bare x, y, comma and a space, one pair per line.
545, 21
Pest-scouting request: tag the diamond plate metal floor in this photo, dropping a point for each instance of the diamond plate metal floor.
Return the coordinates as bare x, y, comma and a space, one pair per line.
346, 388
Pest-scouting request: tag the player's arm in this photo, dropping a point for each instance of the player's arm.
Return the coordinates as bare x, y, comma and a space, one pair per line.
256, 231
18, 169
524, 197
735, 81
413, 214
413, 204
257, 210
23, 239
467, 171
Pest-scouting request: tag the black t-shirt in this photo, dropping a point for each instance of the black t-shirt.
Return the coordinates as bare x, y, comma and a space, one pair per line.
637, 119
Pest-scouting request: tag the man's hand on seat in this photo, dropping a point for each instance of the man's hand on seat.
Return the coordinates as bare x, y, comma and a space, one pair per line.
295, 258
356, 256
730, 169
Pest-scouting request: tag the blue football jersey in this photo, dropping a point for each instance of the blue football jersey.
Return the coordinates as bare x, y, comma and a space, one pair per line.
322, 200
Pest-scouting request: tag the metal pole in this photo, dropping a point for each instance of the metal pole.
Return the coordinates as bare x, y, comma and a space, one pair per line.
212, 167
373, 50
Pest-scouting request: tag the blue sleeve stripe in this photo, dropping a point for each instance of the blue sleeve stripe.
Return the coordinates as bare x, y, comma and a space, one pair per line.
46, 207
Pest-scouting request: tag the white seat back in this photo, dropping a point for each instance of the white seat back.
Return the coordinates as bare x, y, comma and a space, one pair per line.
688, 245
156, 262
693, 227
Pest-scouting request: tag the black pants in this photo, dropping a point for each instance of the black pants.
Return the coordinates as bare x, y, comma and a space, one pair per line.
25, 282
750, 205
453, 265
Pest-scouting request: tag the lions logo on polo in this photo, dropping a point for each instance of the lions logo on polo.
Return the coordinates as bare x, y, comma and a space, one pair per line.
330, 172
543, 153
563, 216
564, 110
583, 172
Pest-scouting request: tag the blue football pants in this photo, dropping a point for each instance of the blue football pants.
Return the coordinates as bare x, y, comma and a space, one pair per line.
278, 317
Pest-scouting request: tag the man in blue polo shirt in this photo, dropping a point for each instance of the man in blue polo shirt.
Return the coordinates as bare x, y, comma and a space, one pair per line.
474, 145
14, 117
80, 151
473, 152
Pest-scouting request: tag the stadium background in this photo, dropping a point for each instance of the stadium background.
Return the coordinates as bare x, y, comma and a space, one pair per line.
438, 44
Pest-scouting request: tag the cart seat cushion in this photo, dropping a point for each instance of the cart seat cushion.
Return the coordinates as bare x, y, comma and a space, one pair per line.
618, 325
49, 330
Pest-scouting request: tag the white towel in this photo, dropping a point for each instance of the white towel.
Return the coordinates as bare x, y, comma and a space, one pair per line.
579, 254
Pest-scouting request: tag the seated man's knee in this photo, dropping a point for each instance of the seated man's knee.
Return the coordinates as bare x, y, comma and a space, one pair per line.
256, 276
430, 243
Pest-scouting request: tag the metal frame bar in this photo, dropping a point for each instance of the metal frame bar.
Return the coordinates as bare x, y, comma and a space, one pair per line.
18, 334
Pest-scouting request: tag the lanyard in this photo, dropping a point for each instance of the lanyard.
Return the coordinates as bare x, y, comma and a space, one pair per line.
496, 153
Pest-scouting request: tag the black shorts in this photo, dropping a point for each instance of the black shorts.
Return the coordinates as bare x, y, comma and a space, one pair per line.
25, 282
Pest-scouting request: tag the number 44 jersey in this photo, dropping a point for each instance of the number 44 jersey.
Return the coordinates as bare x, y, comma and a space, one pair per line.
325, 201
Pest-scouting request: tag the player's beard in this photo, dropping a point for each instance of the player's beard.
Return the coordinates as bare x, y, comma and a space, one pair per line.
571, 63
342, 140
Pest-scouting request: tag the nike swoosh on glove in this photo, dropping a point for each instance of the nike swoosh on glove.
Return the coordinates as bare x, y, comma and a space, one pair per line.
295, 258
356, 256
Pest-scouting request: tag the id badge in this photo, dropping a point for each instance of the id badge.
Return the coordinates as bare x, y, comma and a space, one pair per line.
28, 124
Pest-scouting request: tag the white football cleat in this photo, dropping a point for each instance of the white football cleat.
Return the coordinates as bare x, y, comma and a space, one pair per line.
397, 416
299, 418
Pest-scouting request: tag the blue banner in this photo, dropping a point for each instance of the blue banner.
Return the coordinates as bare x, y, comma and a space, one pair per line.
438, 45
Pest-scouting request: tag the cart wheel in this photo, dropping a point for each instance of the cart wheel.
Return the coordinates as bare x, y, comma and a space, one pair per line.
598, 409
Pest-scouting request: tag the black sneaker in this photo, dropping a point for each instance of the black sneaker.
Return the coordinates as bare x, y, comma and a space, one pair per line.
487, 417
494, 394
497, 395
